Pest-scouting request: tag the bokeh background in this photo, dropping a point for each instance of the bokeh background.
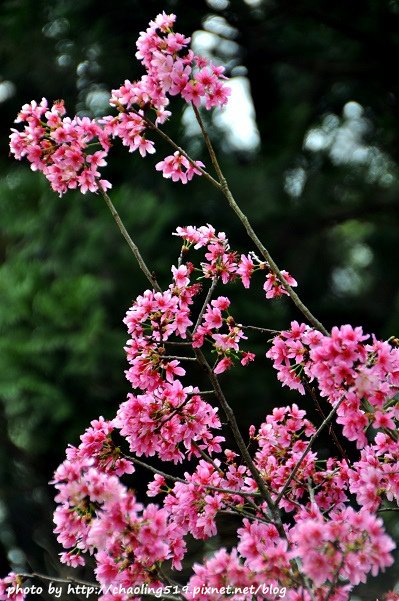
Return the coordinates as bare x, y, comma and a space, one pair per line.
310, 146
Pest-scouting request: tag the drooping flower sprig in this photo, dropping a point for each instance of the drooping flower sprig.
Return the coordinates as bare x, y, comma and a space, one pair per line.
62, 148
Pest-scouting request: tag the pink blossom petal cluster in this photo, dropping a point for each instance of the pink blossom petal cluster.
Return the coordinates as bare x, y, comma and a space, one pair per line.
99, 515
98, 448
60, 147
223, 569
228, 265
274, 288
350, 543
177, 167
362, 376
167, 422
281, 441
11, 588
375, 476
172, 68
194, 506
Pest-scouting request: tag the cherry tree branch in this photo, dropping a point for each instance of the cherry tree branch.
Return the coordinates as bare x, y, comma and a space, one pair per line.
229, 491
223, 186
66, 580
133, 247
174, 357
337, 443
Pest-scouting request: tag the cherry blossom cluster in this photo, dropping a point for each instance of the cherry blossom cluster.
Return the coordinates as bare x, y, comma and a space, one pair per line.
228, 265
328, 538
11, 587
333, 546
177, 167
172, 68
168, 414
59, 147
167, 419
157, 318
98, 515
362, 377
62, 148
376, 476
282, 439
226, 344
349, 543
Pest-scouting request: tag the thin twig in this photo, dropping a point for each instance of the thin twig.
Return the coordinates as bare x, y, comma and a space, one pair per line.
241, 512
176, 342
179, 358
207, 458
258, 329
133, 247
154, 470
175, 411
66, 580
206, 301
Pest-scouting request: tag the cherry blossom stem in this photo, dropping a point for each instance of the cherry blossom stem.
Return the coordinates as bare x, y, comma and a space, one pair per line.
306, 451
171, 415
207, 458
176, 343
241, 512
223, 186
66, 580
173, 357
133, 247
254, 506
206, 301
262, 330
154, 470
229, 491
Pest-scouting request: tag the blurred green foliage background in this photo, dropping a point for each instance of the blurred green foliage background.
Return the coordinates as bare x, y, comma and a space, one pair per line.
311, 153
